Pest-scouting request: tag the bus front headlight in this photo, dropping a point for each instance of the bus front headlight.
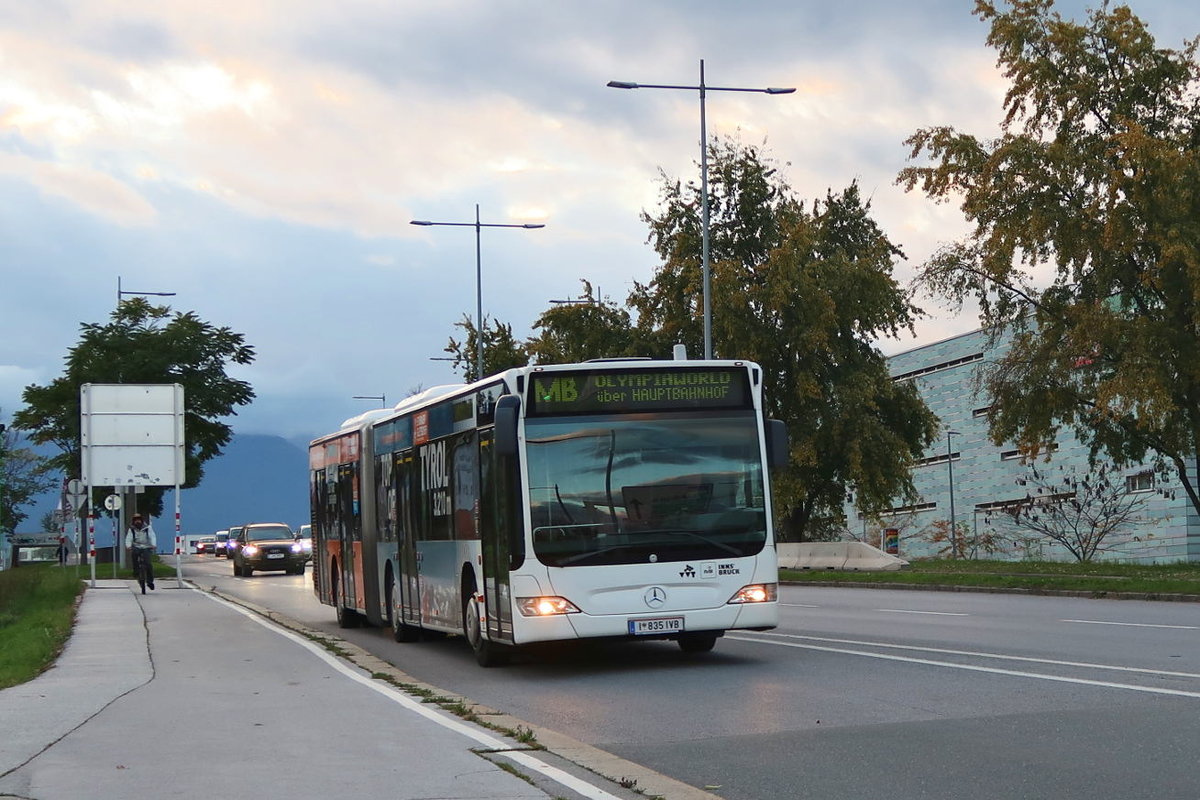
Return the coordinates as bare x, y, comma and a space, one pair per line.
545, 606
756, 593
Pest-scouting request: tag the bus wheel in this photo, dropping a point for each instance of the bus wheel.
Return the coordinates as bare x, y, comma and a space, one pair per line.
487, 653
697, 642
346, 618
400, 631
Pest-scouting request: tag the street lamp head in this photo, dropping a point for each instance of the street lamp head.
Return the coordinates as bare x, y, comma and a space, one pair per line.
533, 225
622, 85
420, 222
778, 90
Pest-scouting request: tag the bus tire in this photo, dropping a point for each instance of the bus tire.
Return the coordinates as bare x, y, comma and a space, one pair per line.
697, 642
346, 617
487, 652
400, 631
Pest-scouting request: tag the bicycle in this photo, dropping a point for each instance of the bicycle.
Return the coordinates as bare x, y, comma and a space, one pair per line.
142, 567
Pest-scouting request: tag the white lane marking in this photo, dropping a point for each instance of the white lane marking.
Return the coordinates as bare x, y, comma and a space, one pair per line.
930, 613
451, 723
975, 654
798, 605
1133, 624
1012, 673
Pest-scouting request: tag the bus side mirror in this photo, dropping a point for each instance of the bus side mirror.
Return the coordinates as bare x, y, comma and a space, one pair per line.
508, 408
777, 444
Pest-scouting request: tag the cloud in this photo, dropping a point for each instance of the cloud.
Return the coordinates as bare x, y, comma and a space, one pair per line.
94, 191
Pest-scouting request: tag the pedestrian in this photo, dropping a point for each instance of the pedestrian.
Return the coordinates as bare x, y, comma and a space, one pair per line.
62, 551
141, 540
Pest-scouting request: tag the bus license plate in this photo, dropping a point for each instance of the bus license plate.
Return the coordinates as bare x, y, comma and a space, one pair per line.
645, 627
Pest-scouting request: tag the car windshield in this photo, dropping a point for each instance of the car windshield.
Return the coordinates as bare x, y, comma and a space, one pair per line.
268, 533
635, 488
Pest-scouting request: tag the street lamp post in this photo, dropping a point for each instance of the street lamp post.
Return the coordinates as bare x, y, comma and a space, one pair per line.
124, 511
122, 292
382, 398
950, 474
704, 236
477, 225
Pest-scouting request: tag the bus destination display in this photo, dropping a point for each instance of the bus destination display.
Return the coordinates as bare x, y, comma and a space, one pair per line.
633, 390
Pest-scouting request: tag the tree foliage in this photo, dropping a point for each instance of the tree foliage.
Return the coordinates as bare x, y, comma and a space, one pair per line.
1080, 513
501, 350
1085, 252
143, 343
588, 327
804, 290
23, 475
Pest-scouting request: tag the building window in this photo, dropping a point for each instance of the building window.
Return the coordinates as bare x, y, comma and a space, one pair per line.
981, 412
910, 509
1142, 482
958, 362
938, 459
1017, 455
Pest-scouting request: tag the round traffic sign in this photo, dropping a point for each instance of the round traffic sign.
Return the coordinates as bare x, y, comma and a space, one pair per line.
112, 502
75, 486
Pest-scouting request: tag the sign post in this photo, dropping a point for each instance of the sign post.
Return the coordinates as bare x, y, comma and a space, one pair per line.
113, 504
76, 496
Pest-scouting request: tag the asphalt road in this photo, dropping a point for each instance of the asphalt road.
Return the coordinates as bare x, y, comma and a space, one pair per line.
859, 693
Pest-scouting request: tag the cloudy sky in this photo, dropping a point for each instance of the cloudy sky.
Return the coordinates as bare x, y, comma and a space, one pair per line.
262, 160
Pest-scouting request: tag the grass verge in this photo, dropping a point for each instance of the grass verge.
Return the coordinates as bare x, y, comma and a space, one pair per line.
37, 610
1101, 578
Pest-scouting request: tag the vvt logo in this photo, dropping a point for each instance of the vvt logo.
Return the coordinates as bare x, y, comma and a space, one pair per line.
688, 572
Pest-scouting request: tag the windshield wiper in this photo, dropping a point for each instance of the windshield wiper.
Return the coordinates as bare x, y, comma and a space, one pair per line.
683, 532
566, 562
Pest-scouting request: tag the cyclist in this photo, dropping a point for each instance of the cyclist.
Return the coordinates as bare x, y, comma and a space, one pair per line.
140, 539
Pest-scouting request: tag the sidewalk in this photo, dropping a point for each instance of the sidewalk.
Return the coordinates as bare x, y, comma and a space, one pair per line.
178, 694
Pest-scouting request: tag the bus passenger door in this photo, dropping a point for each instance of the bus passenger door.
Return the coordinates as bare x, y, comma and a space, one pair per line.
408, 576
495, 531
347, 522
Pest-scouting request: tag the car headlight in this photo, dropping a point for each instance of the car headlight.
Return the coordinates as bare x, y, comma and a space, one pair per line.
756, 593
250, 550
297, 547
546, 606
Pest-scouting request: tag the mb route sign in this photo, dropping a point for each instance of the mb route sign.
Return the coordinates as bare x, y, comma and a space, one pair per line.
132, 434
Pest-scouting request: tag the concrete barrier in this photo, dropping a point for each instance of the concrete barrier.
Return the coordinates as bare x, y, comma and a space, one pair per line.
851, 556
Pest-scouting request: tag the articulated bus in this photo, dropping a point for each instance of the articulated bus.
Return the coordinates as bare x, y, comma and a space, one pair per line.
617, 498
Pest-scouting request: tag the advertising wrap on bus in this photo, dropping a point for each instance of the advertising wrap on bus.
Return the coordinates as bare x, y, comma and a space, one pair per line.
620, 499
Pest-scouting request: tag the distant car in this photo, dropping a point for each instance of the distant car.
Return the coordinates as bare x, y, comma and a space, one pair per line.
304, 536
206, 545
231, 544
268, 546
222, 538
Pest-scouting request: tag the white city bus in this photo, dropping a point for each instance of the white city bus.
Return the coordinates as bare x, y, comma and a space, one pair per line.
625, 498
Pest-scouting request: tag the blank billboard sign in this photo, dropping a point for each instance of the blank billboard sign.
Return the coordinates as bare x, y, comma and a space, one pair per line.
132, 434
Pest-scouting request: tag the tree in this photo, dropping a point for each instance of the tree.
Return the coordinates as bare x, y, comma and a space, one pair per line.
803, 290
1085, 252
143, 343
23, 475
589, 327
501, 350
1079, 513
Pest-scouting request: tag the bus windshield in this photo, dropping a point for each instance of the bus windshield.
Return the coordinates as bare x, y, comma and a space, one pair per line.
638, 488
